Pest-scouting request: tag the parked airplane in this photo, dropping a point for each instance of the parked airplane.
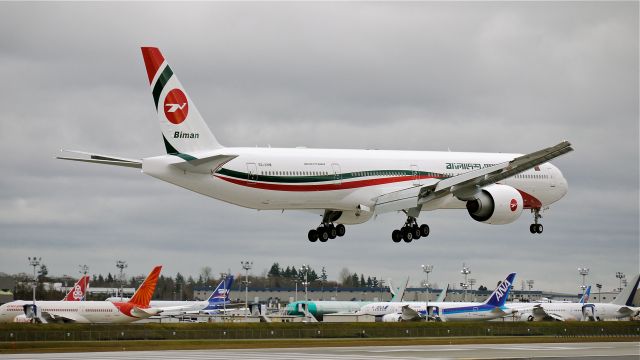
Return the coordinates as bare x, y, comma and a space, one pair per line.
86, 311
621, 307
78, 291
345, 186
214, 304
493, 308
583, 299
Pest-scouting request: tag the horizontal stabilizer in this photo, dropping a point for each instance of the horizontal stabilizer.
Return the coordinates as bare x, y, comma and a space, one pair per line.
102, 159
205, 165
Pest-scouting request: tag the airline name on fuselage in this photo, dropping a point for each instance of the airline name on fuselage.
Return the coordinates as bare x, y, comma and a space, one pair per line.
185, 135
466, 166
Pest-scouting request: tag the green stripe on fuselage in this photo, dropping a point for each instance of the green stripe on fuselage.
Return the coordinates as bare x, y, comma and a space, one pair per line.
299, 179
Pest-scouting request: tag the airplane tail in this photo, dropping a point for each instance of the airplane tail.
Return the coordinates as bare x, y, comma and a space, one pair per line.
501, 293
221, 293
183, 128
143, 295
586, 295
77, 292
627, 294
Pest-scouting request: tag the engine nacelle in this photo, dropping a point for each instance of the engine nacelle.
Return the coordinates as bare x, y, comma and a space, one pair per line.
392, 318
497, 205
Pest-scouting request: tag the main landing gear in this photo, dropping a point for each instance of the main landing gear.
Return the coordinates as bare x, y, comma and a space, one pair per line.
536, 228
326, 231
410, 231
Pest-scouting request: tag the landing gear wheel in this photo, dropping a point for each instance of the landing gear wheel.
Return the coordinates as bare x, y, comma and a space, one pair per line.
415, 231
323, 234
332, 232
313, 235
539, 228
340, 230
532, 228
424, 230
396, 236
407, 236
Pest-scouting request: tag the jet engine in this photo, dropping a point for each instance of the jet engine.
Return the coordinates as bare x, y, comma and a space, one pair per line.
392, 318
496, 204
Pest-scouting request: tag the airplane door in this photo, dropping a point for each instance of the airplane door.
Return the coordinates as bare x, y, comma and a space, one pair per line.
415, 174
588, 313
252, 171
337, 173
434, 313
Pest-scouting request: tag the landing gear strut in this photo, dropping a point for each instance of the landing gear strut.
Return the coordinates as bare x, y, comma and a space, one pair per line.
410, 231
536, 228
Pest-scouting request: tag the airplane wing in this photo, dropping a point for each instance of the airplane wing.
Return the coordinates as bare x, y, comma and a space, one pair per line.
409, 314
67, 317
102, 159
467, 185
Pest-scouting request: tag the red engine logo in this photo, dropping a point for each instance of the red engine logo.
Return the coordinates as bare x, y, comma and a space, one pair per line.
513, 205
176, 106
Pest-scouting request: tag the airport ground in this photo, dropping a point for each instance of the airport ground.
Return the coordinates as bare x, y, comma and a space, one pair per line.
31, 338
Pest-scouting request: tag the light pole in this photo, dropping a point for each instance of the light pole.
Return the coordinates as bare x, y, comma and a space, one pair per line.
465, 271
599, 286
305, 268
620, 276
224, 288
120, 264
530, 284
246, 265
471, 283
427, 269
295, 281
35, 262
84, 269
583, 272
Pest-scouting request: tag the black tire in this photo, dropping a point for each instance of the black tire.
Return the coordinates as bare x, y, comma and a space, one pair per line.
407, 236
332, 232
323, 234
539, 228
396, 236
340, 230
415, 231
532, 228
424, 230
313, 235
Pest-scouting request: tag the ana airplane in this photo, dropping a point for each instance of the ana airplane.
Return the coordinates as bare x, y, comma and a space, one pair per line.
493, 308
85, 311
344, 186
78, 291
621, 307
213, 305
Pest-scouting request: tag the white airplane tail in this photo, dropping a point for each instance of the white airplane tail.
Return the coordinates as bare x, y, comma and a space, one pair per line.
183, 128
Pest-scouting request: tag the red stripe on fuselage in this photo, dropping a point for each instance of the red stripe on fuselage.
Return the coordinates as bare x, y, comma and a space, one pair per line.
321, 187
530, 201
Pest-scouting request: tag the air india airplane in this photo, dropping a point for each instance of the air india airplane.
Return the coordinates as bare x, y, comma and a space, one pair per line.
78, 291
86, 311
345, 186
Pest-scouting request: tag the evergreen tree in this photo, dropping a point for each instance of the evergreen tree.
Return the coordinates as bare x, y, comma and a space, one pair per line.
362, 282
354, 280
275, 270
369, 282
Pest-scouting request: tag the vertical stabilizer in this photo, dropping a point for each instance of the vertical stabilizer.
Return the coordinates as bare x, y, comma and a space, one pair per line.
78, 291
143, 295
183, 128
501, 293
627, 294
221, 293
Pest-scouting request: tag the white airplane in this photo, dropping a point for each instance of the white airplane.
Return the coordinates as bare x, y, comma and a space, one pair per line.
214, 304
493, 308
345, 186
85, 311
621, 307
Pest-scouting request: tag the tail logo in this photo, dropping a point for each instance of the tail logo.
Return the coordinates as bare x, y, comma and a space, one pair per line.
176, 106
77, 292
502, 289
513, 205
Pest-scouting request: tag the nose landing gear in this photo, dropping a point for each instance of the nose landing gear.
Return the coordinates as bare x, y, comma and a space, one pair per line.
536, 228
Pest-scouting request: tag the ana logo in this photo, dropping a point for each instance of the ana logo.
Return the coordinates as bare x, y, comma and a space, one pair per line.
513, 205
77, 292
176, 106
500, 291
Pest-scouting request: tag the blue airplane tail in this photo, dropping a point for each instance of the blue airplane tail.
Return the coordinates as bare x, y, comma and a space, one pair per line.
501, 293
585, 296
221, 293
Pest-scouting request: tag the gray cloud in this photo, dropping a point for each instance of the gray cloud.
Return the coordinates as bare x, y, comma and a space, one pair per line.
426, 76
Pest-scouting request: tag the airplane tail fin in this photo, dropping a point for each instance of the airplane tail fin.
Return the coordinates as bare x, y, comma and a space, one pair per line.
77, 292
627, 294
585, 297
501, 293
443, 294
143, 295
183, 128
221, 292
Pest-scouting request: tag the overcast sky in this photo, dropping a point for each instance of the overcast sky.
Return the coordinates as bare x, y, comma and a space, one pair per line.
486, 77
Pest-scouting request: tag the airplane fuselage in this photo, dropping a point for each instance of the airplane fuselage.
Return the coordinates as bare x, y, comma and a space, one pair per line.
78, 311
